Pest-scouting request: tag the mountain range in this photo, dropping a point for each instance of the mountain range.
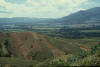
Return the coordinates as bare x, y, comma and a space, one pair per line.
81, 17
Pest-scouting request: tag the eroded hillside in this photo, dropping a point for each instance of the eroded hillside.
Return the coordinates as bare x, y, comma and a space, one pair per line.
27, 45
27, 49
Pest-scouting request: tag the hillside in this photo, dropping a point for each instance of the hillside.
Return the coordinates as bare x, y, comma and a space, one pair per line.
27, 45
88, 58
35, 48
83, 17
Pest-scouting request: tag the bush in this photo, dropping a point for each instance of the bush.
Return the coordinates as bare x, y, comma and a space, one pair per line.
88, 61
95, 49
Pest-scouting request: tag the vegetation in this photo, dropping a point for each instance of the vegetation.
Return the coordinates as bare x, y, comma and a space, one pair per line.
68, 52
91, 58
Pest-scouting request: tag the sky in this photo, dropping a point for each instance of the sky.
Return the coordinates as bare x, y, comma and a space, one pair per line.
44, 8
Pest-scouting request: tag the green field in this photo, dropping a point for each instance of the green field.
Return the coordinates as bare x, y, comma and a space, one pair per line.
17, 62
90, 31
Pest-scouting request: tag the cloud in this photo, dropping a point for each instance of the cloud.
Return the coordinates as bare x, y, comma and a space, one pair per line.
91, 4
41, 8
16, 1
5, 12
97, 1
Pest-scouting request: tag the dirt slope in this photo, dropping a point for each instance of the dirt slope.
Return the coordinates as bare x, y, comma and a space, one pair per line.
28, 45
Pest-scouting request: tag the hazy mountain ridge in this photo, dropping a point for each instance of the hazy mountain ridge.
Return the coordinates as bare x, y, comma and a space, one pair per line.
82, 17
21, 20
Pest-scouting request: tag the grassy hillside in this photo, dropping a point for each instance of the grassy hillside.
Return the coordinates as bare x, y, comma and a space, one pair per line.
29, 49
26, 45
84, 58
73, 46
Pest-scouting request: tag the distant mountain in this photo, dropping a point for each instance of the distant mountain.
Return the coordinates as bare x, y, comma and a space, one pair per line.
24, 20
83, 17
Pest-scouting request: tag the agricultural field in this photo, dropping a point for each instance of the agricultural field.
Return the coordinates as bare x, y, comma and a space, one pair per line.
90, 31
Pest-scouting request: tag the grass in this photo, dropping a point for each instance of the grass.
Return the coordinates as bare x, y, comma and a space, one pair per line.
90, 58
17, 62
65, 45
73, 46
88, 61
90, 31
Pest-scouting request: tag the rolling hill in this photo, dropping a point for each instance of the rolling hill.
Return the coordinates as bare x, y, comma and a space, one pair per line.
27, 45
28, 48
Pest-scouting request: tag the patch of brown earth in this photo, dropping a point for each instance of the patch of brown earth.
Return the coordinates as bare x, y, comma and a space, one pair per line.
28, 45
24, 43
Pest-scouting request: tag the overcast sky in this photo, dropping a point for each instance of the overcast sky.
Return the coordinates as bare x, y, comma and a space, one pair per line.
44, 8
